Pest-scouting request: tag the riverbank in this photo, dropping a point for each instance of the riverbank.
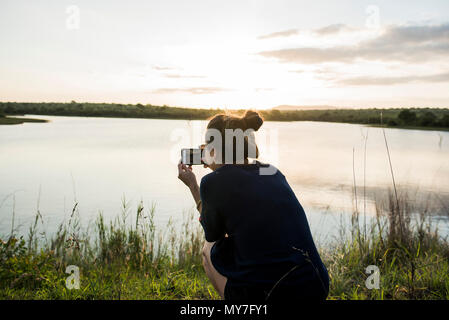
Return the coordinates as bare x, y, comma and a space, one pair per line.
416, 118
129, 259
13, 120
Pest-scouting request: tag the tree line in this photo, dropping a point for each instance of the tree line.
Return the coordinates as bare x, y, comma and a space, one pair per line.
392, 117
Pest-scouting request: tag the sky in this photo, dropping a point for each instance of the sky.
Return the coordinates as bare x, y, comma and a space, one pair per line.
226, 54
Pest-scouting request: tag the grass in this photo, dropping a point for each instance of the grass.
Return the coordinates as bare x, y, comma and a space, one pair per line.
128, 258
412, 258
116, 260
414, 118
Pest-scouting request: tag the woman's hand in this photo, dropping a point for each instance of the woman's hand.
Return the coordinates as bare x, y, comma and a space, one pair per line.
186, 175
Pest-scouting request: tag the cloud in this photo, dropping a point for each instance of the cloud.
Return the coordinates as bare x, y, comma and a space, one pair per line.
177, 76
310, 55
194, 90
163, 68
322, 70
332, 29
414, 34
285, 33
326, 71
379, 81
397, 43
263, 89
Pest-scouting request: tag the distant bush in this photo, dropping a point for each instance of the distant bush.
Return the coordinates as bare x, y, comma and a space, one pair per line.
392, 123
444, 122
373, 120
407, 117
428, 119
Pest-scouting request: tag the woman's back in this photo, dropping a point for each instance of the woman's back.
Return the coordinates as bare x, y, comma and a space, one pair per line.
268, 232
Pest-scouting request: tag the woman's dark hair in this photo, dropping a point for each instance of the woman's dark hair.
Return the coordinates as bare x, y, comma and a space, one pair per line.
250, 120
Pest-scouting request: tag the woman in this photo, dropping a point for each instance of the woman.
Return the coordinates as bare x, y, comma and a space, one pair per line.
258, 242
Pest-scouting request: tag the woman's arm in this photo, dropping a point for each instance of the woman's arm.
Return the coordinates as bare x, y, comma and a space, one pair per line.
195, 190
186, 175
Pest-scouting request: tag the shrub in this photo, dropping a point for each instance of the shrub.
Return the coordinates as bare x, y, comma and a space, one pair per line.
392, 123
444, 121
428, 119
21, 268
407, 116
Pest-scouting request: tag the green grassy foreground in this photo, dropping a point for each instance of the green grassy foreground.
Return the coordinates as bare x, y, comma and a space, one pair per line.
116, 261
418, 118
129, 259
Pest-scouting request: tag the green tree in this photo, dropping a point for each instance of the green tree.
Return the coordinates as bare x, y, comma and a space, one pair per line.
428, 119
407, 117
392, 123
444, 121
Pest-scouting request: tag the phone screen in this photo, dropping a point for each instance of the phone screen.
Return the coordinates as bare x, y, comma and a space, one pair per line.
191, 156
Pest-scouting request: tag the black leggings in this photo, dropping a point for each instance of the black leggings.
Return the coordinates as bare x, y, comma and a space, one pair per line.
302, 283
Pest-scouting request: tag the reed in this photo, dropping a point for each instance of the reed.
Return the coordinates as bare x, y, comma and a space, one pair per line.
117, 259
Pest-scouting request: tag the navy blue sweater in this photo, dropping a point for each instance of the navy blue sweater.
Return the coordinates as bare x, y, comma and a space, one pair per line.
267, 229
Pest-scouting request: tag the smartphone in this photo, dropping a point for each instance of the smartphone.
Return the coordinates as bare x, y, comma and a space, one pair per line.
191, 156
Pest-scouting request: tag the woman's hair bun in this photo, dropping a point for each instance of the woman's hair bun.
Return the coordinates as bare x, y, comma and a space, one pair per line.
252, 120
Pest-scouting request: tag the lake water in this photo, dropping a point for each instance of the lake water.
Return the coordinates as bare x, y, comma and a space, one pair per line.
98, 161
